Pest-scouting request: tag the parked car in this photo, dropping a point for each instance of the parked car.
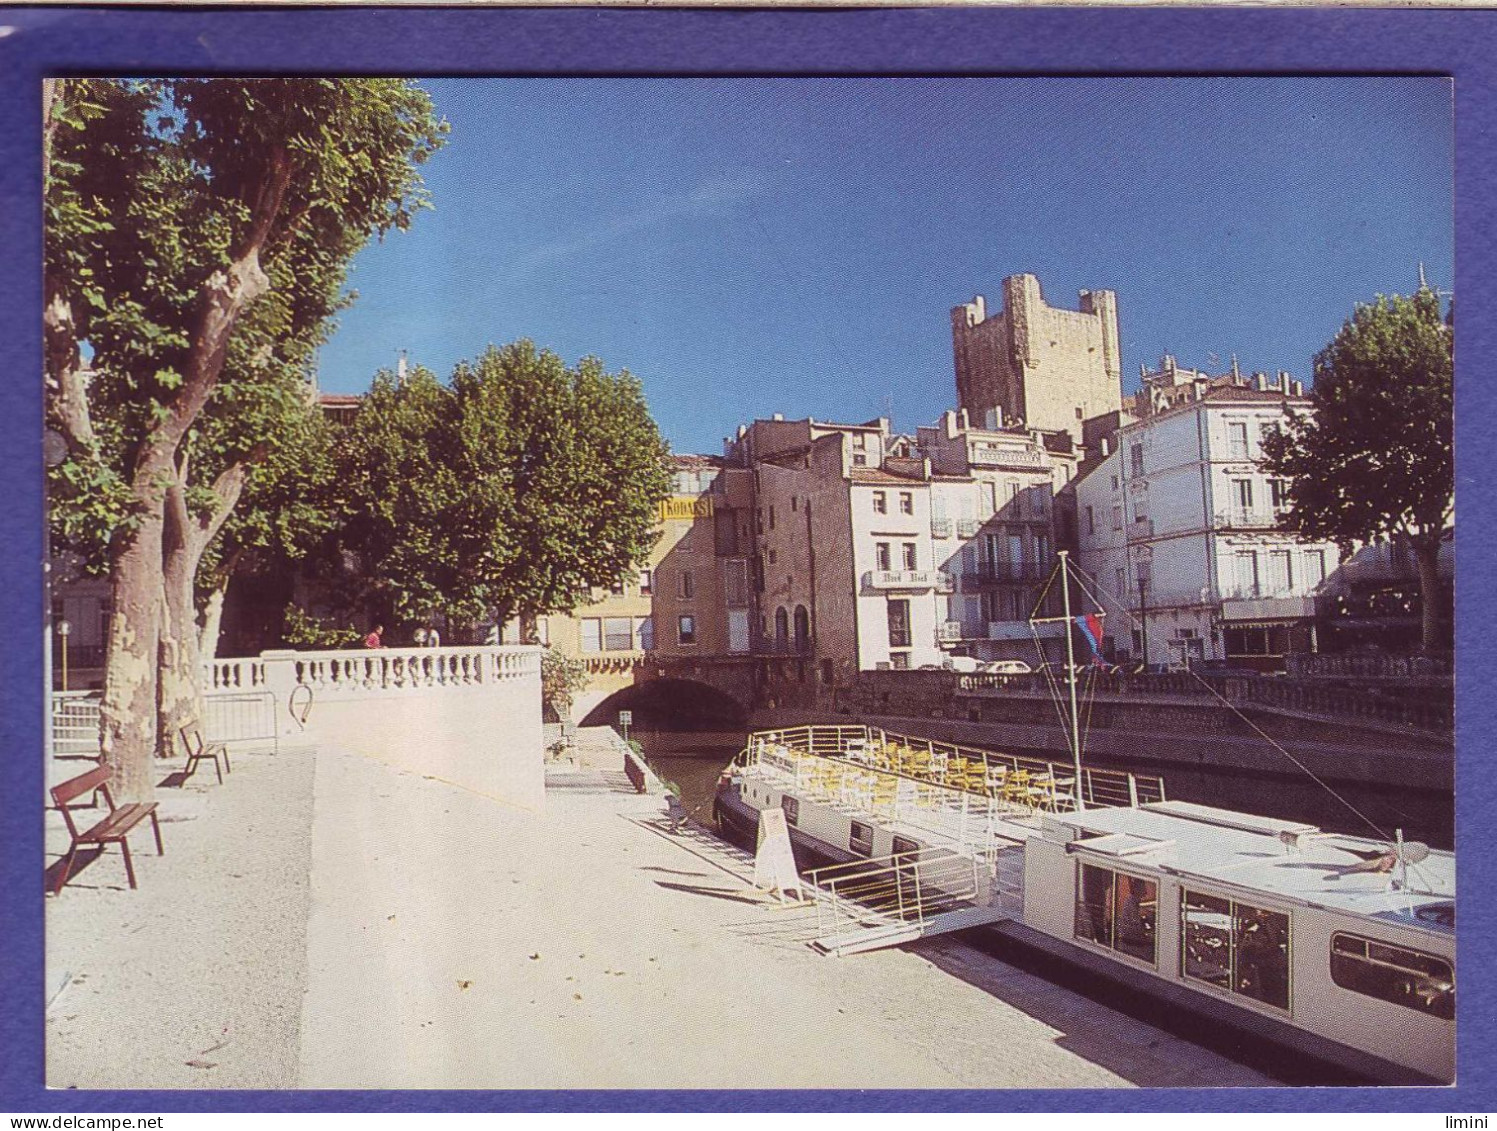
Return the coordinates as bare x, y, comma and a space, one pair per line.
961, 664
1007, 667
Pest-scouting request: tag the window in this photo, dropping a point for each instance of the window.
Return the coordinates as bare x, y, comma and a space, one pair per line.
1267, 428
859, 459
899, 623
899, 661
1280, 573
1136, 460
1235, 947
791, 806
1042, 548
909, 555
592, 634
1314, 568
644, 633
1393, 973
773, 557
618, 634
1247, 573
881, 555
687, 588
906, 502
1122, 585
617, 588
771, 516
686, 629
880, 502
1117, 516
1091, 521
802, 628
1117, 911
1237, 440
1242, 493
860, 839
1114, 482
990, 493
543, 630
1015, 550
1278, 493
646, 582
781, 630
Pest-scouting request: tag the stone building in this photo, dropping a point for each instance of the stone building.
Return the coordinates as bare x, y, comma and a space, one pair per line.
1177, 525
1036, 364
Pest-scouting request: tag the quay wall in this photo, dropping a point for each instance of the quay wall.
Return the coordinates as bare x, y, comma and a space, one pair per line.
467, 716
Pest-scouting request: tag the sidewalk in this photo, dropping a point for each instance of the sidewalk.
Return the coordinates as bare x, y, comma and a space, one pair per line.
447, 941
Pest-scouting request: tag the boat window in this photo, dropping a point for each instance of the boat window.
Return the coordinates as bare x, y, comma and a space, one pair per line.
1393, 973
791, 805
903, 846
861, 839
1116, 910
1235, 946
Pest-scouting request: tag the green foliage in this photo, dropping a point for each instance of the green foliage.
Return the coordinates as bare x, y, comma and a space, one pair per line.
154, 187
561, 678
1375, 456
512, 491
300, 629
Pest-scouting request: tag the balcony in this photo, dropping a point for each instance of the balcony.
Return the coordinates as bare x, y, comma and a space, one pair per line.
908, 579
940, 528
1005, 573
1248, 518
948, 632
1005, 456
1021, 630
1252, 603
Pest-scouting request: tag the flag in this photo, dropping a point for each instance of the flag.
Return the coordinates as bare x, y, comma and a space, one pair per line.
1091, 627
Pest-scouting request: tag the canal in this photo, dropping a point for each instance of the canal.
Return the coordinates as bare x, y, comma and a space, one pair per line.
1427, 815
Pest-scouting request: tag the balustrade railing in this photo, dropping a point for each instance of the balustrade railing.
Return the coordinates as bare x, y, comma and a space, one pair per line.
411, 669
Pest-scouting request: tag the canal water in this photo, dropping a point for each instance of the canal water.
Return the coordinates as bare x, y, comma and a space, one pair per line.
1426, 815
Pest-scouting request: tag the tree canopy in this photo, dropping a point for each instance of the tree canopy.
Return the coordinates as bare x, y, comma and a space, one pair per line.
198, 233
509, 492
1374, 456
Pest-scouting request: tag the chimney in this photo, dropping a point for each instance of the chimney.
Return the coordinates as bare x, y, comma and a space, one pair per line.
778, 416
1106, 446
1299, 389
400, 368
963, 420
1261, 380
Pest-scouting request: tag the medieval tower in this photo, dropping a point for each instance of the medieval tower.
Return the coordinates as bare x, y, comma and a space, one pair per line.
1050, 368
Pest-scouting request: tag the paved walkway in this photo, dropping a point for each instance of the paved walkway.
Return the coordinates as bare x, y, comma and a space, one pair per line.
384, 930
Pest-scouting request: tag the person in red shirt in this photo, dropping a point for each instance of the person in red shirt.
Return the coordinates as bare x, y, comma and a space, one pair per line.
373, 639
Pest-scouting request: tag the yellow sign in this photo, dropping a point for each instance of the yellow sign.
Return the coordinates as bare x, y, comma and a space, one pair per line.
685, 508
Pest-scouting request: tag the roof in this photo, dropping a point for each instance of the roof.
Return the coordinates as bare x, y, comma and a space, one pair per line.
339, 400
1285, 860
688, 460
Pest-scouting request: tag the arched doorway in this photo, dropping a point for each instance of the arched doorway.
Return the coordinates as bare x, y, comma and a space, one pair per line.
802, 630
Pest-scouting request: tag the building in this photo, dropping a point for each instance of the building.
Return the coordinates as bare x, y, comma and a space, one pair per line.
1177, 525
1035, 364
691, 595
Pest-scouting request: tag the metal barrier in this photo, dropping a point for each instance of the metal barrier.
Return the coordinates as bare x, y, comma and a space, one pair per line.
75, 724
242, 717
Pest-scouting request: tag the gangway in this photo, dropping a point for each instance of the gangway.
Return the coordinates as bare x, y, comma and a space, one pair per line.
870, 904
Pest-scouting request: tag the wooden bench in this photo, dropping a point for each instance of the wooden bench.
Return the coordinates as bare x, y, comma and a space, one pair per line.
198, 750
113, 828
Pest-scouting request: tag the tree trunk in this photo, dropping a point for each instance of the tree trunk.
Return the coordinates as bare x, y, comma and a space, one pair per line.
213, 615
179, 693
1431, 597
127, 714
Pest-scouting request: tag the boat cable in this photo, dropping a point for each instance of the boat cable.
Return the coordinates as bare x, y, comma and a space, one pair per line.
1382, 833
1051, 681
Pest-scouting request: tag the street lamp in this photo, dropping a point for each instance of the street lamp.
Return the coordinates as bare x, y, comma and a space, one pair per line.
64, 630
1143, 565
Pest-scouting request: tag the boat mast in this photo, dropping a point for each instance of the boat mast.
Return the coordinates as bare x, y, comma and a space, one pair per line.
1065, 596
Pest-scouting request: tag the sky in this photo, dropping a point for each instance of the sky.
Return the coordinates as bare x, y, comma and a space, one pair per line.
752, 246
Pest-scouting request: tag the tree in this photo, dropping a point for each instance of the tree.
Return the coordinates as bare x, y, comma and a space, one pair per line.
198, 233
1374, 456
510, 492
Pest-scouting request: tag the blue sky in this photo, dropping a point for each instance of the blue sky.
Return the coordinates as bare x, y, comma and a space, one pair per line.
756, 246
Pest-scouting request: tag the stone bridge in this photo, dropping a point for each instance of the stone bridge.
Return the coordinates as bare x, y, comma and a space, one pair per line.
668, 692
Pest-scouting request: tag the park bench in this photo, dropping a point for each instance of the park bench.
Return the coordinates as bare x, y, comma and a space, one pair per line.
198, 750
115, 827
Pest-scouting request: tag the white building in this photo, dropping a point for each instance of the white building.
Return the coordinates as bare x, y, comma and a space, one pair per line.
1177, 526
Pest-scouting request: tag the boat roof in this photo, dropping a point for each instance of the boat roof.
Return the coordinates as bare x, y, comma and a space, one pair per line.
1290, 860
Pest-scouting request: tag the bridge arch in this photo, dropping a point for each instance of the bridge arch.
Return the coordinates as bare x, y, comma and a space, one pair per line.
669, 704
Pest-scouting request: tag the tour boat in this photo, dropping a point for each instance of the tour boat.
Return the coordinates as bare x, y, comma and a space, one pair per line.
1336, 946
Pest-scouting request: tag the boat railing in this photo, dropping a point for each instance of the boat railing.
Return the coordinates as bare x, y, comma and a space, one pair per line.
880, 771
906, 889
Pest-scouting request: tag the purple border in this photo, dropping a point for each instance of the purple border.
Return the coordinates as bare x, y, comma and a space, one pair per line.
626, 42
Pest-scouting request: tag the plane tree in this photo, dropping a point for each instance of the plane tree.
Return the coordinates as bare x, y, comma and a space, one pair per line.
1373, 458
198, 233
